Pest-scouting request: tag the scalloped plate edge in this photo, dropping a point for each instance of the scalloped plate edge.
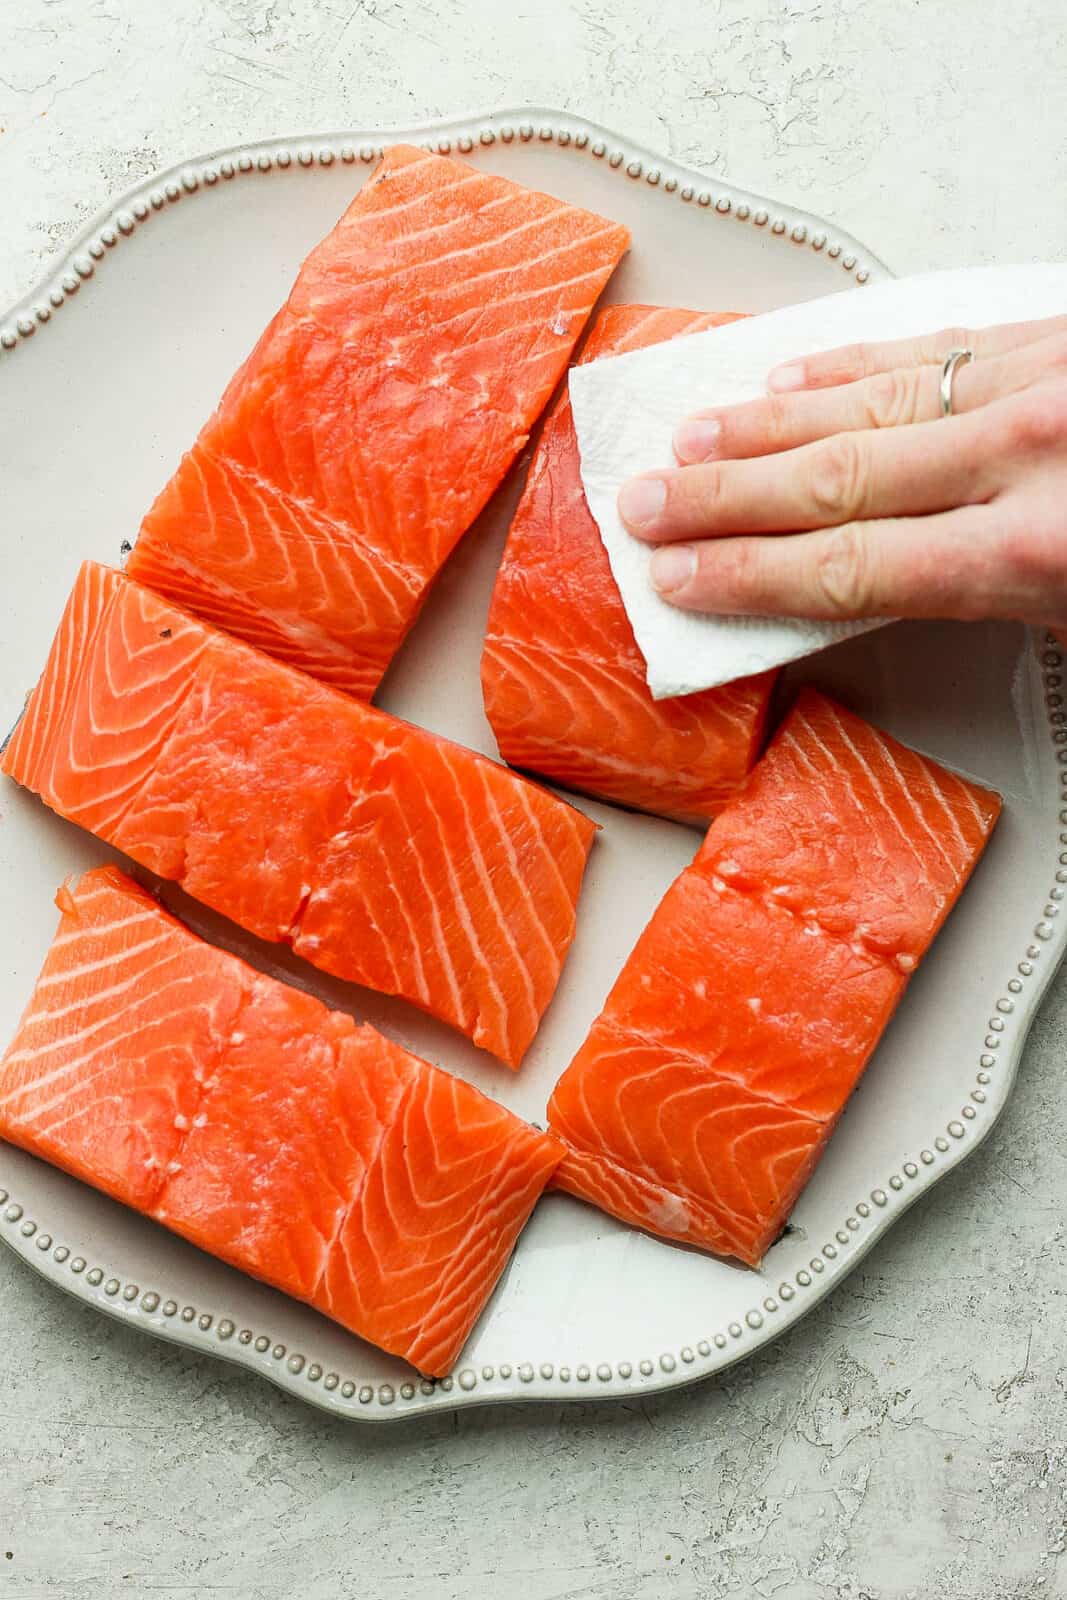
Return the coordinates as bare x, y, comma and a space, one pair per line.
152, 196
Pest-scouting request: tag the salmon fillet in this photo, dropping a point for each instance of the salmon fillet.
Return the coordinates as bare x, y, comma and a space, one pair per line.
376, 415
562, 677
380, 852
704, 1095
282, 1137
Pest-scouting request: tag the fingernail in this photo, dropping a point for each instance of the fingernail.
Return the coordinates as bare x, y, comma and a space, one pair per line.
672, 567
781, 379
697, 439
641, 500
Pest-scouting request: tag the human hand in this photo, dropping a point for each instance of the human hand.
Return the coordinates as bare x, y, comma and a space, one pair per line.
845, 494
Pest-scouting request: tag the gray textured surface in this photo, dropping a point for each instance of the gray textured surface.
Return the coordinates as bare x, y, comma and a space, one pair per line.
907, 1441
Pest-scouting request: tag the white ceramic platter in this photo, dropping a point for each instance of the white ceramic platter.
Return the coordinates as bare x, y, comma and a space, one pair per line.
106, 372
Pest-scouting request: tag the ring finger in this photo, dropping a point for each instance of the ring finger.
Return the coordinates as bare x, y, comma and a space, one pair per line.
892, 399
850, 362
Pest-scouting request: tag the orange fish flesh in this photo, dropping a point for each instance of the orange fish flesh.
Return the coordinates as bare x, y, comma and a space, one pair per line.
562, 677
381, 853
706, 1091
300, 1147
377, 413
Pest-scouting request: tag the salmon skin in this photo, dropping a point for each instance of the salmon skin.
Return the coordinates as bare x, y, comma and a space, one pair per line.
704, 1095
562, 677
282, 1137
380, 852
376, 415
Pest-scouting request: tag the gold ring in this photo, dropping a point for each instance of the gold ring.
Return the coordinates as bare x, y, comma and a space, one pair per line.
953, 361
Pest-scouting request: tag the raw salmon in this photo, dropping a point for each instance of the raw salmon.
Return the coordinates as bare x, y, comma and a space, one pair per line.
562, 677
306, 1150
705, 1093
379, 852
377, 414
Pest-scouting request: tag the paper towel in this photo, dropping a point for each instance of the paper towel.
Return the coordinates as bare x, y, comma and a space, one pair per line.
627, 407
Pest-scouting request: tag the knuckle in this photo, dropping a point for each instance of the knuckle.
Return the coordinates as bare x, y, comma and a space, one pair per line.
1036, 419
837, 479
736, 572
1056, 350
703, 490
938, 345
845, 364
843, 577
854, 359
1033, 557
890, 399
778, 419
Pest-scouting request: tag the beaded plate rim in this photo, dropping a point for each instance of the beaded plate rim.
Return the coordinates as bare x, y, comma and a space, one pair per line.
208, 1332
529, 125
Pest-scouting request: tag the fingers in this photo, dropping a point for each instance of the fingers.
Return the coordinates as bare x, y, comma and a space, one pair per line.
911, 471
896, 398
948, 565
934, 519
784, 422
852, 362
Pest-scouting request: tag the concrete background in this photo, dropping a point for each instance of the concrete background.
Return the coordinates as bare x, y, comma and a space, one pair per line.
908, 1440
